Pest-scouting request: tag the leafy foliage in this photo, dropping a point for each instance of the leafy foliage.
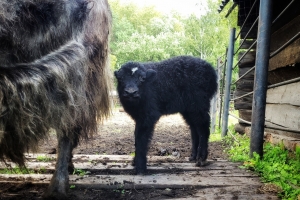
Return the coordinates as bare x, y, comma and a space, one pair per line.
278, 165
145, 34
79, 172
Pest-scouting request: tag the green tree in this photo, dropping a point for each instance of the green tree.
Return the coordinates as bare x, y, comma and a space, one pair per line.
144, 34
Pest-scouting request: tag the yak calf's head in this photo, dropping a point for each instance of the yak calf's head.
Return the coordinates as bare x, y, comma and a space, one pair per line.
132, 78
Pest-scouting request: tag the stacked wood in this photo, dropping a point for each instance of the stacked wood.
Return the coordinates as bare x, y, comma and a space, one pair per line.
244, 86
283, 107
289, 56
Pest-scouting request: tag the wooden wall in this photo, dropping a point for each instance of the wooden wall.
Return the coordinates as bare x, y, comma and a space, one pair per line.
285, 65
283, 106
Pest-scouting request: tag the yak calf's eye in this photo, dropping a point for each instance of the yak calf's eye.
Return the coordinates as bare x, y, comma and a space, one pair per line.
141, 79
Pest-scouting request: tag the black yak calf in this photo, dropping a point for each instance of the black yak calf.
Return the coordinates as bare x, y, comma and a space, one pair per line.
181, 84
53, 74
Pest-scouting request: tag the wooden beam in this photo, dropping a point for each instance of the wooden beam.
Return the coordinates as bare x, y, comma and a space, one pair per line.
286, 94
290, 55
141, 182
98, 166
283, 115
247, 43
285, 73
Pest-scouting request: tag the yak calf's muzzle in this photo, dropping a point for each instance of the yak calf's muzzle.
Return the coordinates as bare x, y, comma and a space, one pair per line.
131, 92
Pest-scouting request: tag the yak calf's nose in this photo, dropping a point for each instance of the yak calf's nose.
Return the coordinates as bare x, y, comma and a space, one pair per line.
131, 91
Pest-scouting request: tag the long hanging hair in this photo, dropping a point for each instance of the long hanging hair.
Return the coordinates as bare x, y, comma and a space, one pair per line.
53, 71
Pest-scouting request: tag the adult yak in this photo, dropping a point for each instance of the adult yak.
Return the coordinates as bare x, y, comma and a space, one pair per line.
53, 74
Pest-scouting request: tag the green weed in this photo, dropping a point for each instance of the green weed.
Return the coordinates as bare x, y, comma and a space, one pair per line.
79, 172
16, 170
44, 159
72, 186
278, 165
120, 189
132, 154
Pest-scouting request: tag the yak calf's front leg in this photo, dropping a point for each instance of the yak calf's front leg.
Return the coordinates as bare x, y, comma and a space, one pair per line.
59, 183
143, 134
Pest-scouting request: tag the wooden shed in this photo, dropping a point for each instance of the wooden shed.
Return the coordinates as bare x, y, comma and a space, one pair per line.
282, 115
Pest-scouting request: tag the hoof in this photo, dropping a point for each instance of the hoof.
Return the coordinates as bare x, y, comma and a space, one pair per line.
140, 171
192, 158
202, 163
54, 195
56, 191
71, 168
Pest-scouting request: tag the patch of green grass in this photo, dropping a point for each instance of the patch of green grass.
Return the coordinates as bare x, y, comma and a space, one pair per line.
79, 172
215, 137
120, 189
44, 159
72, 186
41, 170
278, 165
16, 170
132, 154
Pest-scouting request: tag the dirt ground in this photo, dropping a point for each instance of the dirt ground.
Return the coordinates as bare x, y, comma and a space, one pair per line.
115, 137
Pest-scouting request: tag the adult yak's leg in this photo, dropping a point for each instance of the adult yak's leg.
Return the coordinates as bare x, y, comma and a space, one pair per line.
143, 134
59, 183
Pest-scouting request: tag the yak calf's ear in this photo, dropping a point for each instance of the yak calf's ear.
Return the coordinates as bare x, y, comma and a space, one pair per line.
150, 74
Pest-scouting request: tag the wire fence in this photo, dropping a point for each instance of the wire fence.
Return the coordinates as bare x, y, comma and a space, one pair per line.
224, 78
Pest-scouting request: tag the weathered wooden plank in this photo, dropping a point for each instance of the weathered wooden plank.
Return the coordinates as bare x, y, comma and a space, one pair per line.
290, 55
245, 115
249, 75
139, 181
247, 44
284, 133
286, 94
285, 33
284, 74
284, 115
113, 158
245, 102
289, 140
99, 166
289, 143
248, 60
109, 158
219, 194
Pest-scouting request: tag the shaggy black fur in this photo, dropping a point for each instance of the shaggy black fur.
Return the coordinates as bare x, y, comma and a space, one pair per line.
53, 74
181, 84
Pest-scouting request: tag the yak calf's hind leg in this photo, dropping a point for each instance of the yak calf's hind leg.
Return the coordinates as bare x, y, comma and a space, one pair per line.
203, 132
190, 120
59, 183
199, 126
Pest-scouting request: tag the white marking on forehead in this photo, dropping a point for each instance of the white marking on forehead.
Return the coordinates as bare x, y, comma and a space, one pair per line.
133, 70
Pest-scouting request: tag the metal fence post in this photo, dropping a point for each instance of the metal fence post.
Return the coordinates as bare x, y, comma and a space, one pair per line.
261, 77
230, 54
